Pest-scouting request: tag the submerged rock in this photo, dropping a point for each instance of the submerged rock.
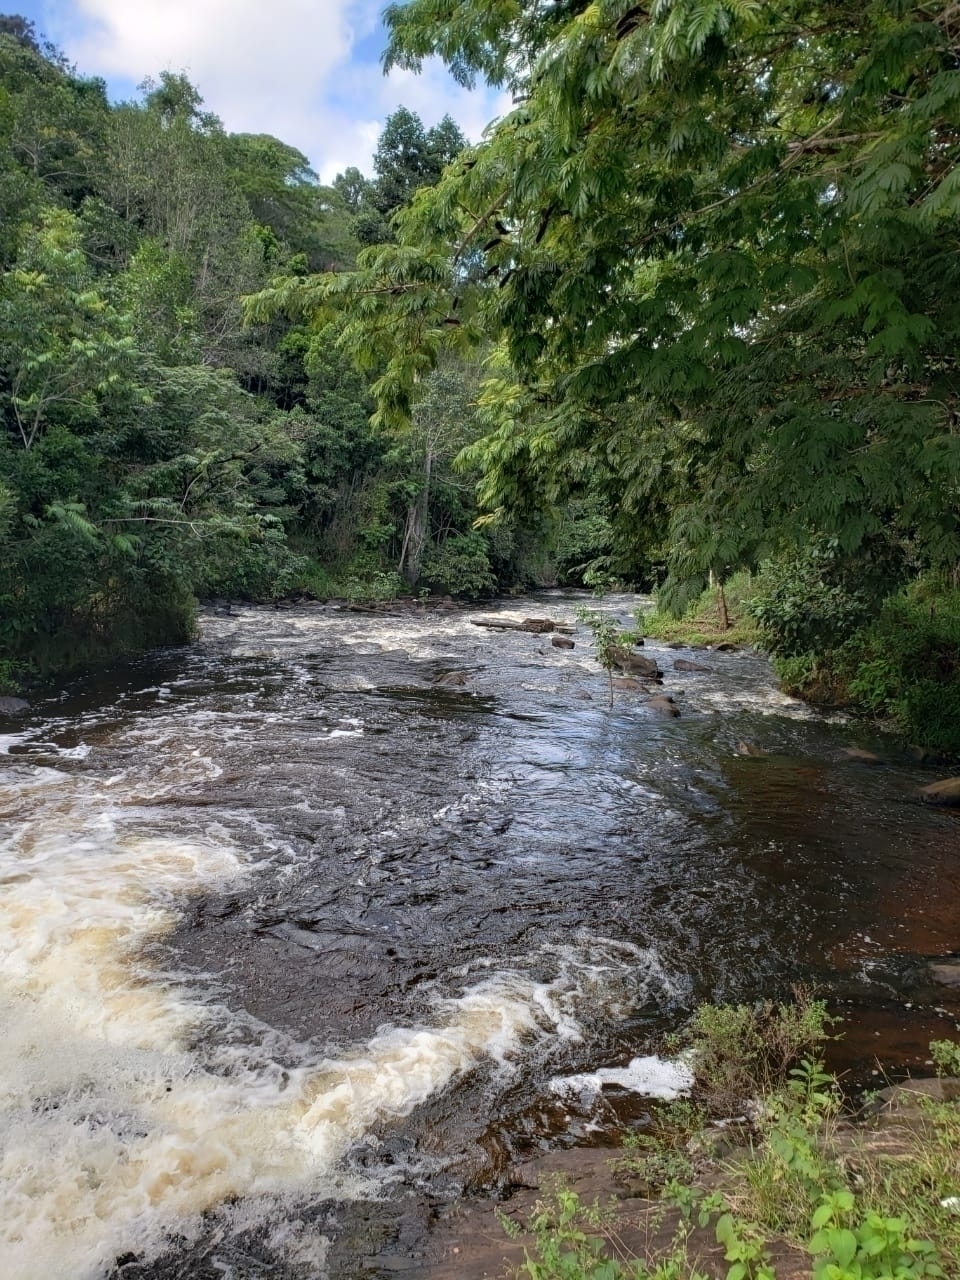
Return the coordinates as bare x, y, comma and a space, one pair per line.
452, 680
861, 756
946, 792
663, 705
562, 642
750, 749
684, 664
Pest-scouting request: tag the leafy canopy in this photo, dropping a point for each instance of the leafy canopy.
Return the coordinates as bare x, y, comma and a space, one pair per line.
717, 243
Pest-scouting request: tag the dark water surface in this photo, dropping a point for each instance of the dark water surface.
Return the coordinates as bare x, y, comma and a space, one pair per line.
295, 937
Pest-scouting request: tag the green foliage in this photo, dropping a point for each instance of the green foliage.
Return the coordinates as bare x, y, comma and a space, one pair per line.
409, 157
946, 1057
873, 1249
809, 603
744, 1052
701, 622
661, 1156
606, 635
900, 667
570, 1244
459, 565
905, 666
607, 638
715, 245
855, 1215
152, 447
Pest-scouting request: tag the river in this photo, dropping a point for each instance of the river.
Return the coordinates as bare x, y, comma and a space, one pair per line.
300, 923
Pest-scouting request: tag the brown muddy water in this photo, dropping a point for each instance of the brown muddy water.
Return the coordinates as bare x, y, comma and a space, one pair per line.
299, 946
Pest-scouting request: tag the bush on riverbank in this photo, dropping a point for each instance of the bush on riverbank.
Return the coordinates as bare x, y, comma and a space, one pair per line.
901, 668
806, 1193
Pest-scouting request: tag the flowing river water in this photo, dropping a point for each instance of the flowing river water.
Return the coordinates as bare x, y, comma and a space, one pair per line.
300, 926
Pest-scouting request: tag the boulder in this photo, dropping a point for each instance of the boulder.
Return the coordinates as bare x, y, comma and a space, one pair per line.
13, 706
664, 706
684, 664
726, 646
906, 1096
562, 642
634, 664
631, 685
946, 792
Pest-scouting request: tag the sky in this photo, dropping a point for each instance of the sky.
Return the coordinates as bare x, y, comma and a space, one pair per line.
306, 71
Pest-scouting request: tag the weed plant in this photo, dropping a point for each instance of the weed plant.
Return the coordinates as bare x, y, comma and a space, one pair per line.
741, 1053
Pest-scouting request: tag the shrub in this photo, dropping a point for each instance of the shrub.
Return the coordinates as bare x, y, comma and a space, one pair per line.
905, 666
459, 565
743, 1052
257, 565
809, 603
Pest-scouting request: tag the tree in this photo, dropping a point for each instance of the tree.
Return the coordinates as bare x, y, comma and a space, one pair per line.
718, 241
283, 194
62, 345
20, 29
408, 157
56, 118
443, 422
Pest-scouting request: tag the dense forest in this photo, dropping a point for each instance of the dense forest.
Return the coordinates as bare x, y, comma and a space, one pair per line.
689, 311
156, 447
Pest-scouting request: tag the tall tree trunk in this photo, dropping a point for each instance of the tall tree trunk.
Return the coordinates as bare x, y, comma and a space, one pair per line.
722, 613
415, 533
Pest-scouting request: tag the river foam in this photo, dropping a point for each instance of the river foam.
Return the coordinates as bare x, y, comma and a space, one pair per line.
129, 1102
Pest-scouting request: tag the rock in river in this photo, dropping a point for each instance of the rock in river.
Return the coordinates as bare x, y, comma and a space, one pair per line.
634, 664
946, 972
946, 792
452, 680
861, 756
663, 705
684, 664
13, 706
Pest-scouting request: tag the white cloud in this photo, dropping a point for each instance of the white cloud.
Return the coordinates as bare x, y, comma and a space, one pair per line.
286, 67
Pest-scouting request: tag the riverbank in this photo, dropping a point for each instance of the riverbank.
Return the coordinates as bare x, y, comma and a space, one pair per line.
573, 1212
792, 1184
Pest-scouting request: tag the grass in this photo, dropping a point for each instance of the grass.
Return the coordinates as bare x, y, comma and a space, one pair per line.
809, 1189
701, 624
